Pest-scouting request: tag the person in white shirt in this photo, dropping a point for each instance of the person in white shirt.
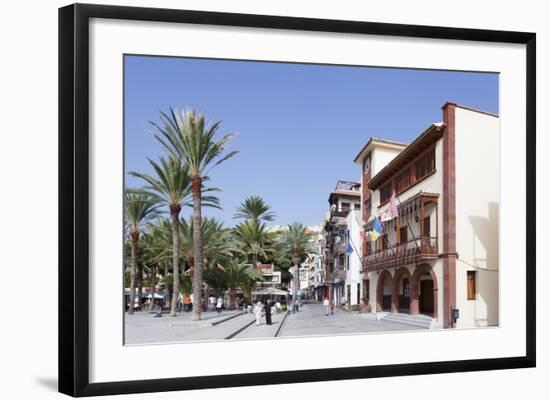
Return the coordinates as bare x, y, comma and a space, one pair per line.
219, 305
258, 312
326, 304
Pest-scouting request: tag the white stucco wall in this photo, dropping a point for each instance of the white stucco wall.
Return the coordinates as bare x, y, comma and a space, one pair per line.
381, 156
477, 171
353, 276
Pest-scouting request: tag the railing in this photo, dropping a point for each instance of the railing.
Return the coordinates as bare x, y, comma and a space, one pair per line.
340, 274
412, 251
343, 212
340, 248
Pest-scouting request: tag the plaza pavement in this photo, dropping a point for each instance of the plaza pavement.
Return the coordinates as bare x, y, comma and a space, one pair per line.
143, 328
311, 320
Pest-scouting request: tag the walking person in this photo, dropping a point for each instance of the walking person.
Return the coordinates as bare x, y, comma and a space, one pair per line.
212, 303
332, 305
187, 303
268, 312
326, 304
219, 305
258, 312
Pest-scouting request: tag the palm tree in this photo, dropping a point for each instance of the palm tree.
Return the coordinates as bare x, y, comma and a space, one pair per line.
218, 244
170, 188
297, 243
255, 241
254, 208
138, 208
187, 136
237, 274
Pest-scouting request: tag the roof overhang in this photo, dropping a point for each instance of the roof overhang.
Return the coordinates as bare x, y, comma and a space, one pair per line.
431, 135
378, 142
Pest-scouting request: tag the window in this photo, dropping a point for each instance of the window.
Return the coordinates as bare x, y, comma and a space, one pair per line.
344, 206
385, 192
366, 165
403, 234
427, 227
404, 180
357, 206
406, 288
366, 295
425, 165
382, 242
366, 209
471, 284
341, 261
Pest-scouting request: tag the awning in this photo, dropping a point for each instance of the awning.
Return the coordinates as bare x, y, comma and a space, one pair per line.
148, 295
270, 291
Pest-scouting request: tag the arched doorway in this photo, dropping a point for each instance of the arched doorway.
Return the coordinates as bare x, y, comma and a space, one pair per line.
424, 291
384, 292
402, 290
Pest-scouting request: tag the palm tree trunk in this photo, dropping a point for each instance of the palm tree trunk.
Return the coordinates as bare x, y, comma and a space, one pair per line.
153, 284
175, 258
133, 246
140, 283
197, 251
167, 299
232, 296
296, 284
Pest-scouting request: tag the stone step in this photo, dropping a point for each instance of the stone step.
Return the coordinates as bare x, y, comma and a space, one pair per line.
413, 317
413, 320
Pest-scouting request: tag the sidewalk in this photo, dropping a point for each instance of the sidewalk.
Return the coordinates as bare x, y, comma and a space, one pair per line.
144, 328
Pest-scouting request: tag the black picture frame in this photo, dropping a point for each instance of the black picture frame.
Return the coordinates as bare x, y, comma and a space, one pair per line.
74, 198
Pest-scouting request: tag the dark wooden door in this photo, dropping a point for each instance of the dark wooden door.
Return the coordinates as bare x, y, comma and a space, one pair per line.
427, 297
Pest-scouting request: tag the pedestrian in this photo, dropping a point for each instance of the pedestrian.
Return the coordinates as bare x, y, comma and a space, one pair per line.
258, 312
212, 303
326, 305
268, 312
295, 306
332, 307
278, 307
191, 302
187, 303
219, 305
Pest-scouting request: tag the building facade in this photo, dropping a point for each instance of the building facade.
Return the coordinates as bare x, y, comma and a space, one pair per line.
439, 255
345, 198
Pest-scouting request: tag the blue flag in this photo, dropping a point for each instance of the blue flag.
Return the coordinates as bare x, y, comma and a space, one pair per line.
377, 225
350, 249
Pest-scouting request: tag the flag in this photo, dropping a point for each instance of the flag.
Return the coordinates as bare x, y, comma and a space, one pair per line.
393, 205
377, 225
373, 235
349, 250
390, 212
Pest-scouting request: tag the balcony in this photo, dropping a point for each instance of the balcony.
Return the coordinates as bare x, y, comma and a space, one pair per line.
340, 275
342, 212
413, 251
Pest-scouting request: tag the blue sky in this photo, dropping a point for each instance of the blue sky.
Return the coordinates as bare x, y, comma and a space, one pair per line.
298, 126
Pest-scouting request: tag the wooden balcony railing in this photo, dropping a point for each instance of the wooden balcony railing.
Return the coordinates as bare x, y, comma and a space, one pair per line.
413, 251
342, 212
